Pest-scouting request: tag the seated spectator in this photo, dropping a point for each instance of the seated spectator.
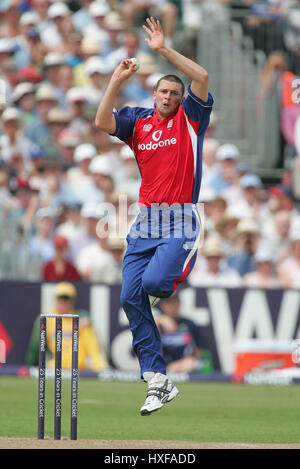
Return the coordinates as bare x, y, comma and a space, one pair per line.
112, 154
129, 179
90, 215
218, 208
73, 44
181, 346
285, 196
38, 130
31, 50
37, 169
227, 156
96, 263
79, 176
76, 102
210, 164
82, 17
289, 269
52, 64
67, 141
8, 71
278, 238
70, 223
250, 204
234, 192
96, 27
226, 228
115, 27
23, 99
281, 198
130, 48
91, 355
40, 245
65, 84
166, 10
25, 203
101, 140
116, 247
206, 199
41, 8
137, 89
98, 72
211, 270
57, 119
59, 268
264, 275
89, 47
13, 140
102, 173
10, 27
31, 73
16, 167
247, 238
58, 27
55, 192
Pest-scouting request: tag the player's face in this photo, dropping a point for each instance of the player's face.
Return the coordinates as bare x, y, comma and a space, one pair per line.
168, 97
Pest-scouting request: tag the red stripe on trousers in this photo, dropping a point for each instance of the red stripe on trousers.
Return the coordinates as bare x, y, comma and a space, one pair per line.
183, 275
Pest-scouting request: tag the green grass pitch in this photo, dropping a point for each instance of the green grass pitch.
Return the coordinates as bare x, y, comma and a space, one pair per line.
202, 412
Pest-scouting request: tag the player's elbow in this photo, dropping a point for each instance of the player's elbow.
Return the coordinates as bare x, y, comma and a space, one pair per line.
104, 124
201, 81
204, 78
100, 123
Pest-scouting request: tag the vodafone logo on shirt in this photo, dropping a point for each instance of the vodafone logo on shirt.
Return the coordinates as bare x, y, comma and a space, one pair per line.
156, 135
157, 142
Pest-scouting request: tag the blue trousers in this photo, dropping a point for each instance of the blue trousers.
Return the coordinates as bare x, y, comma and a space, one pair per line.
161, 252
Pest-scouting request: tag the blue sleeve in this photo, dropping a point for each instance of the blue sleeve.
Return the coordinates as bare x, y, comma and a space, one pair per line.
125, 122
126, 119
197, 109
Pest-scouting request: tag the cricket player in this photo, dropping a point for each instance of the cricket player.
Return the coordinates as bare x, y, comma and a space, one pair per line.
162, 243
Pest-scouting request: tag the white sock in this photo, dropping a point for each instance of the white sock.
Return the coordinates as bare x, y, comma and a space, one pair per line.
152, 377
148, 375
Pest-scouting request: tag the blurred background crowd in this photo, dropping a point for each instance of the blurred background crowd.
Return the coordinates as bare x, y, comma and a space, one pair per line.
57, 170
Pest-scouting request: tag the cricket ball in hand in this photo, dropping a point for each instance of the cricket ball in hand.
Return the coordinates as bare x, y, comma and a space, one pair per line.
135, 62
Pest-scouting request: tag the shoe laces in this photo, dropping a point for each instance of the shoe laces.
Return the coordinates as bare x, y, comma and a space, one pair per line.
157, 390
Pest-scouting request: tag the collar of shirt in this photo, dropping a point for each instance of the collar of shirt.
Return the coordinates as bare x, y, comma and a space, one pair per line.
158, 119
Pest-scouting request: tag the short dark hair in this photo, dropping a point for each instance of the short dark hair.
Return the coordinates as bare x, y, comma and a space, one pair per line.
173, 78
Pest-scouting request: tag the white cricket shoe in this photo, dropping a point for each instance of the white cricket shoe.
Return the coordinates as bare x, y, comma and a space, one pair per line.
160, 391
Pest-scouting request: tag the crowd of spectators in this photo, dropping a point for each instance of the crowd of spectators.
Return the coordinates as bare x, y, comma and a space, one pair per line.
62, 180
251, 232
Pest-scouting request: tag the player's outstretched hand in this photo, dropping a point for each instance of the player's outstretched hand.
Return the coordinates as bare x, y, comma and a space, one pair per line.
125, 70
156, 38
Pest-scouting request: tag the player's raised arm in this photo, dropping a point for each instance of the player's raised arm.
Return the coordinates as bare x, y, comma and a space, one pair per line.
105, 119
195, 72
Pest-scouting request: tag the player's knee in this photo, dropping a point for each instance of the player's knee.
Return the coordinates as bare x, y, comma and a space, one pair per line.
154, 287
149, 284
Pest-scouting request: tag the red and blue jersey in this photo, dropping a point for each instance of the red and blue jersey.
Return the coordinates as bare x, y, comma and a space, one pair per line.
168, 151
